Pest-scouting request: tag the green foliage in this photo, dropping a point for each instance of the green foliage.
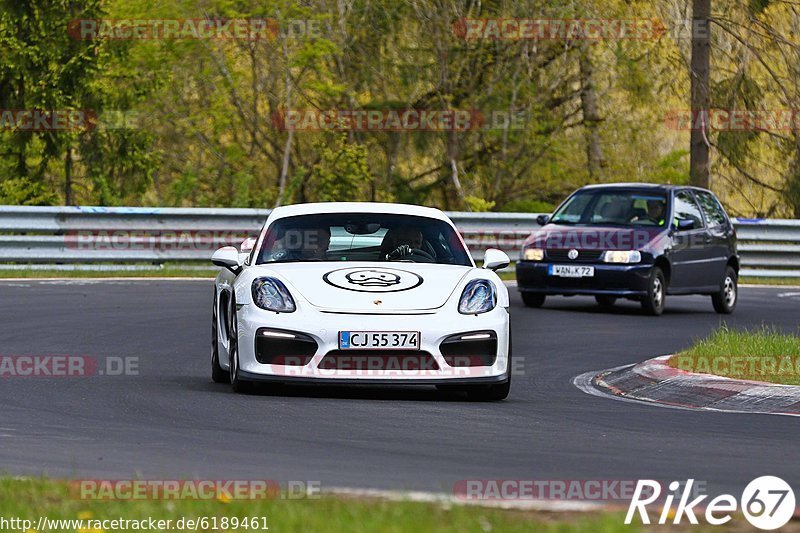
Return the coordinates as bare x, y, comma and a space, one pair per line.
523, 205
22, 191
207, 129
342, 175
673, 168
478, 204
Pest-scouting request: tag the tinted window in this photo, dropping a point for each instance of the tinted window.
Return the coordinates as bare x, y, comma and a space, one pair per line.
362, 237
686, 208
711, 208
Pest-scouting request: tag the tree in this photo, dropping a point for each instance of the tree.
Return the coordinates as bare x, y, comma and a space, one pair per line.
701, 80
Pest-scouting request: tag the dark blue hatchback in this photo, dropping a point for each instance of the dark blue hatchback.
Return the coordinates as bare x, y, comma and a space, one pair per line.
636, 241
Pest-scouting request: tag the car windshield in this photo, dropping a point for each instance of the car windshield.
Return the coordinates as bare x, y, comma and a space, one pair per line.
613, 207
362, 237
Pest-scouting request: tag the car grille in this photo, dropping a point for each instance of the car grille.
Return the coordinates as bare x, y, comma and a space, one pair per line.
584, 256
378, 360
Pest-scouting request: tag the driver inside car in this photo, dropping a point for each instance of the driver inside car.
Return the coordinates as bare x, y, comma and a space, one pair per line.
400, 242
656, 209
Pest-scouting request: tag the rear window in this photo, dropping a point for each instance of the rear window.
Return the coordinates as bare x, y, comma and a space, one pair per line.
711, 209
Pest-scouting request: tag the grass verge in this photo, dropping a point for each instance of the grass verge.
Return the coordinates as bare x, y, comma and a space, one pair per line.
176, 270
763, 355
168, 271
34, 498
753, 280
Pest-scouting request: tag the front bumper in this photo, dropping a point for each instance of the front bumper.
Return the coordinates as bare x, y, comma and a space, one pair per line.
324, 328
608, 279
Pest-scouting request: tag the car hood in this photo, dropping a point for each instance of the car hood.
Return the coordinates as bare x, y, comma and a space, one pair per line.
370, 287
592, 237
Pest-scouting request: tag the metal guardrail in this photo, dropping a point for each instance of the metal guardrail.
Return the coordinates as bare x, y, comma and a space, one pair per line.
80, 235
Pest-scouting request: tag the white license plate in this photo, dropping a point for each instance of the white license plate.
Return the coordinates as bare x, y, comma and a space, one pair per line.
572, 271
383, 340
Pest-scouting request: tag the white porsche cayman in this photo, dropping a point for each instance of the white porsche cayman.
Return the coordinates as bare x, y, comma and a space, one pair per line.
361, 293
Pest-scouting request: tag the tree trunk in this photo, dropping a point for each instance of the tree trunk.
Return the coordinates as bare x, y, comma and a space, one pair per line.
68, 177
698, 144
287, 148
793, 180
591, 115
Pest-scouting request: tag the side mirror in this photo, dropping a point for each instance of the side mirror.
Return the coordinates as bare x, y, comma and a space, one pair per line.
245, 248
247, 245
685, 224
542, 219
227, 257
495, 259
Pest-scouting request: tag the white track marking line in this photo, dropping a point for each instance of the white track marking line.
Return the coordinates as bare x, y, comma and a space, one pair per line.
449, 499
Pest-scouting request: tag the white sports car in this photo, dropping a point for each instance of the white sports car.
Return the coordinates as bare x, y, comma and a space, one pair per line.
361, 293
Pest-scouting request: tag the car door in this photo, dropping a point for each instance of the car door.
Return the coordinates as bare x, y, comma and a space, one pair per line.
690, 244
720, 231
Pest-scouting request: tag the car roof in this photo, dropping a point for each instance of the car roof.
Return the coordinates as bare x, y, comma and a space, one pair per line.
635, 185
357, 207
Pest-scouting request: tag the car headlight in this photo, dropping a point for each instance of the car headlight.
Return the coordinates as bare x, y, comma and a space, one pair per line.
532, 254
622, 256
272, 295
479, 296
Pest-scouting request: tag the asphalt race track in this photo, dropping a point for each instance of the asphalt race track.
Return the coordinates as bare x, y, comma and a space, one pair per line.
171, 421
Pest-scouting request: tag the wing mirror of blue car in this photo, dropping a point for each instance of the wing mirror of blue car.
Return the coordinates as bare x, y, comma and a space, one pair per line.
684, 224
542, 219
227, 257
495, 259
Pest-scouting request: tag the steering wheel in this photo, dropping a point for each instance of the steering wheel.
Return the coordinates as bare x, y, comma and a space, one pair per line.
405, 251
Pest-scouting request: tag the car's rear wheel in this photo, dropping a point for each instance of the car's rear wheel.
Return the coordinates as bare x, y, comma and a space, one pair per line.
725, 300
605, 301
237, 383
653, 302
532, 299
218, 374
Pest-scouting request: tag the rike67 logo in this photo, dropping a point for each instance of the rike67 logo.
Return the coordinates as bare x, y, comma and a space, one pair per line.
767, 502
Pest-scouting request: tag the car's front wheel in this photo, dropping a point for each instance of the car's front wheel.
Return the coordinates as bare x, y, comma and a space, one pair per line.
218, 374
238, 384
489, 393
494, 393
653, 301
725, 300
532, 299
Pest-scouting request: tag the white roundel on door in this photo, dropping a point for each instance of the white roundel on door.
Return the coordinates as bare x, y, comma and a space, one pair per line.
373, 279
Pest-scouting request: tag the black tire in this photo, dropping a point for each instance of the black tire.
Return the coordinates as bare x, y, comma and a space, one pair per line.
532, 299
489, 393
493, 393
605, 301
237, 383
725, 300
653, 302
218, 374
